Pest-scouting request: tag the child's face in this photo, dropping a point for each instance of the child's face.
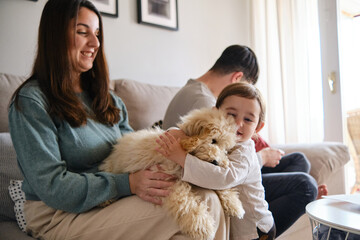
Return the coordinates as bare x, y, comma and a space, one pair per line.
246, 113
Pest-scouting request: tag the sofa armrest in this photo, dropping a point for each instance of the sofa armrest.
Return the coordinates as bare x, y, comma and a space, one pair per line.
326, 158
10, 231
8, 170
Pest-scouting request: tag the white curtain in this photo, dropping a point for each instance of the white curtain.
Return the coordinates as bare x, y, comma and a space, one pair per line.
285, 38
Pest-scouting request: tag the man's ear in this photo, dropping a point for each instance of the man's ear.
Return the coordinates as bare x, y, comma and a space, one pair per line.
236, 77
259, 127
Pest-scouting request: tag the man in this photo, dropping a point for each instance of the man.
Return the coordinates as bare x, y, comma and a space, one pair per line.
288, 186
237, 63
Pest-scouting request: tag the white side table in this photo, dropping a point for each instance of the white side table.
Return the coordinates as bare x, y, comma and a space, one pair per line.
335, 214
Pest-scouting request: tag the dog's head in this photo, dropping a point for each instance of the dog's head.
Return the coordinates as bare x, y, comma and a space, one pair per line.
211, 134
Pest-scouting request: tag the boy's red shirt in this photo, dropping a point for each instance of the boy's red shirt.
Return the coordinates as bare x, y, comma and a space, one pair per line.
260, 143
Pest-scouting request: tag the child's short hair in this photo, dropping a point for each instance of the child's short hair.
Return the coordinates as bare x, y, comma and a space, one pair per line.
244, 90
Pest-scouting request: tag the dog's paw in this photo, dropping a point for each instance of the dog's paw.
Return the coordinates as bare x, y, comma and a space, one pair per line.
199, 225
234, 209
231, 203
190, 212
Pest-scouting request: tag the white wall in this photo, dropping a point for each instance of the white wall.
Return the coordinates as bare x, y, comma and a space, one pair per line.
136, 51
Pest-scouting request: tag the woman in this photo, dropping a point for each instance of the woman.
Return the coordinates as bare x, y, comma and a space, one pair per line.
63, 122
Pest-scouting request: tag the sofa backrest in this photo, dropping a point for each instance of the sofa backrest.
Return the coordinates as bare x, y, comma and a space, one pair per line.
145, 103
8, 84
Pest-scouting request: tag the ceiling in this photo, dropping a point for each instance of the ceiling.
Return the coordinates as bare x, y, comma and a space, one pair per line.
350, 8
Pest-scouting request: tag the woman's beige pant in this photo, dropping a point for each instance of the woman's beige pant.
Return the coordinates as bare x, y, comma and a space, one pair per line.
129, 218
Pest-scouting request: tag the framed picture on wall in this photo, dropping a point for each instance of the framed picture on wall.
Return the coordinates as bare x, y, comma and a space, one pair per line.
159, 13
107, 7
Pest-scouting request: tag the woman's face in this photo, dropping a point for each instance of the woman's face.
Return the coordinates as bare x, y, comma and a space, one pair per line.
246, 114
84, 42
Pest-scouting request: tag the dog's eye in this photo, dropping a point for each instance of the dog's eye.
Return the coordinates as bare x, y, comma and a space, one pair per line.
213, 141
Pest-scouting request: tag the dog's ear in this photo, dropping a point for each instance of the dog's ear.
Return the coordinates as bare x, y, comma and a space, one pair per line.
212, 129
198, 127
194, 122
191, 128
189, 144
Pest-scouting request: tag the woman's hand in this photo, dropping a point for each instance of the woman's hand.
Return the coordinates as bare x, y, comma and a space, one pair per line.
271, 156
150, 185
170, 148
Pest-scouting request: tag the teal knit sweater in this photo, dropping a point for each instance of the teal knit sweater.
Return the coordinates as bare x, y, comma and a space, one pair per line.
59, 162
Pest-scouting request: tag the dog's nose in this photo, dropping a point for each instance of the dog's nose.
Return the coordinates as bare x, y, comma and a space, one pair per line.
215, 162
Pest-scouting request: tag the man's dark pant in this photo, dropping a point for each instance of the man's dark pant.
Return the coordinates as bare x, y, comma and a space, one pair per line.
288, 189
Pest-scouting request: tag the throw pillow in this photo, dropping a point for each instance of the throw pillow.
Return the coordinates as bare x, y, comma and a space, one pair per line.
18, 196
145, 103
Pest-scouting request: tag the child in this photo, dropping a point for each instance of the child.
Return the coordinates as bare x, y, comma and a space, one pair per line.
243, 101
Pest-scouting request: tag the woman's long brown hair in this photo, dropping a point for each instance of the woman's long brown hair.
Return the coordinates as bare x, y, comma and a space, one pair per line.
52, 68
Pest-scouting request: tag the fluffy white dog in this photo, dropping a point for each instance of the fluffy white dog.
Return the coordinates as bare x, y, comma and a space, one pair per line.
211, 134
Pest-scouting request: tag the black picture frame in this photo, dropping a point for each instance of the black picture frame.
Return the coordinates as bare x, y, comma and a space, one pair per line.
158, 13
109, 9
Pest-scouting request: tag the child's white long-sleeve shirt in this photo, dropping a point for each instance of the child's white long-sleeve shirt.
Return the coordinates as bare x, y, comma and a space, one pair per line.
243, 173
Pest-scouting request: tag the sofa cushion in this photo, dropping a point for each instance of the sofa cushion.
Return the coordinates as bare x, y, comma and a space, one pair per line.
10, 231
8, 170
146, 103
8, 84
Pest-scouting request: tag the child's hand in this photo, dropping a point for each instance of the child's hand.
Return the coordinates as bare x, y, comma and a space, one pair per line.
171, 148
271, 156
177, 133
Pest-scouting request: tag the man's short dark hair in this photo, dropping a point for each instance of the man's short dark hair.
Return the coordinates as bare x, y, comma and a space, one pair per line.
237, 58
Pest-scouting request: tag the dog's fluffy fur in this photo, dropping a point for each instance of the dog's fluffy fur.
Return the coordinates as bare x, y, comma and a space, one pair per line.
211, 134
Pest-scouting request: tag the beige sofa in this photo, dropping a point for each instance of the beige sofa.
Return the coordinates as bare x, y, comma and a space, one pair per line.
146, 104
